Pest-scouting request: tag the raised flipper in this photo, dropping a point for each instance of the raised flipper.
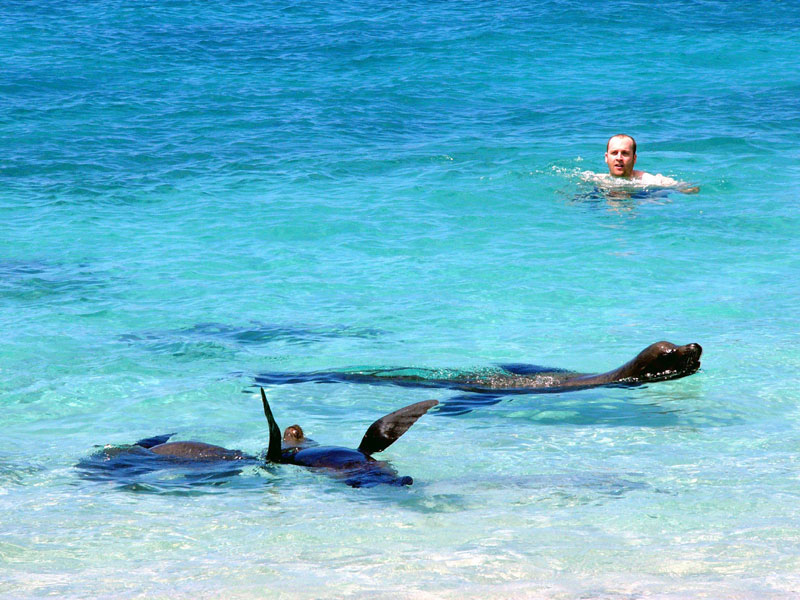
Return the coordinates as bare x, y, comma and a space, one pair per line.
156, 440
274, 449
386, 430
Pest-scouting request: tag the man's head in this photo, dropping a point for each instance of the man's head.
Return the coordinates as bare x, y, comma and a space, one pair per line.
621, 155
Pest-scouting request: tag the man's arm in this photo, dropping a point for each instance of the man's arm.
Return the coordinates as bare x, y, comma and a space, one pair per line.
668, 182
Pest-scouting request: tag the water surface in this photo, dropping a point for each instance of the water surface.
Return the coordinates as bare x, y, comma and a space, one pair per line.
193, 195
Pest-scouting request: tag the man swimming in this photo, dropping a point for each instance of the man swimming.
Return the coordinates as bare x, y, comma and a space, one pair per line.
621, 157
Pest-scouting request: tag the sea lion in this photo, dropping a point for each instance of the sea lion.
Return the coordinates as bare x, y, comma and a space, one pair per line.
197, 463
355, 466
189, 450
658, 362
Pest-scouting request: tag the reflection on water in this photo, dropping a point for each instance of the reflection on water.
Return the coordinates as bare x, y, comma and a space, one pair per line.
554, 490
621, 198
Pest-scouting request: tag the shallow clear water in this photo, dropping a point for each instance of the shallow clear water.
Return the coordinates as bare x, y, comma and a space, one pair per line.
193, 195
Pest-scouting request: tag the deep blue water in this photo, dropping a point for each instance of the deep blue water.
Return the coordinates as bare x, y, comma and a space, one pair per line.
193, 194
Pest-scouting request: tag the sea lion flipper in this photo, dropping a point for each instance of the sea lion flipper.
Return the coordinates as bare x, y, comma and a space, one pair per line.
274, 449
386, 430
156, 440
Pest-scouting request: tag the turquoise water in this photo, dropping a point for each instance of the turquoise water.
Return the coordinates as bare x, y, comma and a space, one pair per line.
196, 193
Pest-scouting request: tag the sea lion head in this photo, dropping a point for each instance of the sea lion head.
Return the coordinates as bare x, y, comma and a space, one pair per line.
294, 439
664, 360
293, 436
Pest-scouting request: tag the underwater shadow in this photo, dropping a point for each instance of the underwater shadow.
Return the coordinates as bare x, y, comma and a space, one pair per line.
38, 280
218, 339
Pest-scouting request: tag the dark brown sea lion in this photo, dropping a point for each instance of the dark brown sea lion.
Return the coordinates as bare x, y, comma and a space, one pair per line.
355, 466
189, 464
658, 362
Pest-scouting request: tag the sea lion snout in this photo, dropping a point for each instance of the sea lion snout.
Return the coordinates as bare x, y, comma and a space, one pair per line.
694, 349
692, 353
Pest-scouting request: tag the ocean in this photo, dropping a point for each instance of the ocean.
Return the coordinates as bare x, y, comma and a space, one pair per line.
195, 194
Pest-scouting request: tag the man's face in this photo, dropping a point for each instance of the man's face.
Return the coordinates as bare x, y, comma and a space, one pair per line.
620, 157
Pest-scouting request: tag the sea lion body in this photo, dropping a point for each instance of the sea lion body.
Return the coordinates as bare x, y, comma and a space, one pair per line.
356, 468
328, 457
198, 451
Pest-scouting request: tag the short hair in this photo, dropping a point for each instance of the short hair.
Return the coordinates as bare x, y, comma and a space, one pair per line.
622, 135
